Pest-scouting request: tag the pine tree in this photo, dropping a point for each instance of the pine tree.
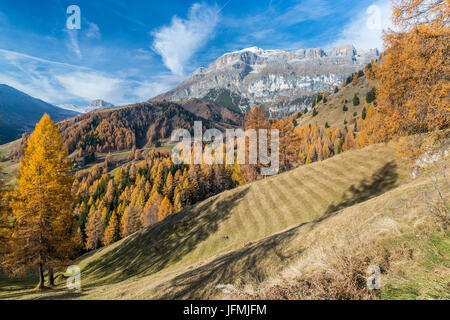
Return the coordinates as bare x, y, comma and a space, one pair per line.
356, 100
256, 119
150, 213
168, 186
349, 141
177, 205
94, 229
42, 205
112, 230
363, 113
131, 221
165, 209
371, 96
238, 174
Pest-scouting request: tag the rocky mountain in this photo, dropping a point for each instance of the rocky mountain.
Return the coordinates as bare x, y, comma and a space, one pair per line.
98, 104
94, 105
271, 77
20, 112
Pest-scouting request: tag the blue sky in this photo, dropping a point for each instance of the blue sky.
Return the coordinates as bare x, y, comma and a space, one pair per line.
130, 51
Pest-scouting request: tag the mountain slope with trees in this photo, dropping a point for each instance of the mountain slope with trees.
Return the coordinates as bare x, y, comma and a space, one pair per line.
20, 112
123, 128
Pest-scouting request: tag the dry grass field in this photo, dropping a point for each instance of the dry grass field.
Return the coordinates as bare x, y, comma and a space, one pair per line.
290, 224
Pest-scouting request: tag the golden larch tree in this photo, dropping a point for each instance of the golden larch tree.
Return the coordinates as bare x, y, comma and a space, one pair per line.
41, 206
112, 230
165, 209
413, 77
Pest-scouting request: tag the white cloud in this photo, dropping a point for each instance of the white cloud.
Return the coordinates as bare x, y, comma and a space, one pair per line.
93, 31
90, 85
178, 42
146, 90
72, 42
13, 55
365, 31
143, 54
306, 10
62, 83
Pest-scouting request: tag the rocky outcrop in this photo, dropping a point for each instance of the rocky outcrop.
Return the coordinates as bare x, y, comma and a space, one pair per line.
263, 76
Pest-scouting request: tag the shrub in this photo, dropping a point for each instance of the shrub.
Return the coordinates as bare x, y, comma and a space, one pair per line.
371, 96
356, 100
345, 280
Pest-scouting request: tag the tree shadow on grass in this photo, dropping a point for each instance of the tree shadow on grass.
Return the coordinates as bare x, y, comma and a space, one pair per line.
381, 181
258, 260
165, 243
27, 291
253, 263
384, 179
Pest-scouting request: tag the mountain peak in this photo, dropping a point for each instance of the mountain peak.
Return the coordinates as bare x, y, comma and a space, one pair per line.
267, 77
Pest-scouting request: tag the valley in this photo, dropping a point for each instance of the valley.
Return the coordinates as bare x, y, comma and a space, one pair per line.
257, 151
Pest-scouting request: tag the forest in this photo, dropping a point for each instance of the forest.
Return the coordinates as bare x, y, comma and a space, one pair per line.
54, 213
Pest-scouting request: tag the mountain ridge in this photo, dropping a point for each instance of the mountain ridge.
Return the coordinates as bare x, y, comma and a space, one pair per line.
270, 76
20, 112
94, 105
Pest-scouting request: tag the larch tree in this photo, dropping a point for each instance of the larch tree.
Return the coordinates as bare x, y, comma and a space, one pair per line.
256, 119
165, 209
414, 74
94, 229
112, 230
168, 186
131, 220
42, 206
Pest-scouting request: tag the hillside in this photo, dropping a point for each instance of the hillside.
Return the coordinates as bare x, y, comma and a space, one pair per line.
135, 126
212, 111
20, 113
333, 112
253, 232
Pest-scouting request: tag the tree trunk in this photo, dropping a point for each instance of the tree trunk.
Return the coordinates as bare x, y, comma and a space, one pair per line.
51, 278
41, 277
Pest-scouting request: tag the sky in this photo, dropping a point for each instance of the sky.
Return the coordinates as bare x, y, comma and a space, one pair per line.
128, 51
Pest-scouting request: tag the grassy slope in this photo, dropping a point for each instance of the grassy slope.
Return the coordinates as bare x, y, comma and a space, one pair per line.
332, 111
235, 236
9, 167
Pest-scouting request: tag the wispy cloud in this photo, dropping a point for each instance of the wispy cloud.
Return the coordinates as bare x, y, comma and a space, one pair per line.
268, 27
93, 31
90, 85
72, 42
307, 10
62, 83
365, 31
13, 55
179, 41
